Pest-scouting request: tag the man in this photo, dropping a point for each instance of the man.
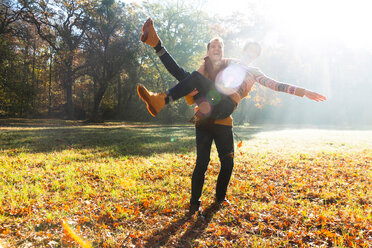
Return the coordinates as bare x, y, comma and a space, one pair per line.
213, 117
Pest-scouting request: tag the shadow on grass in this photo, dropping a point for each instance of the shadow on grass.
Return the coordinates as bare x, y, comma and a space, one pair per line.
194, 231
116, 139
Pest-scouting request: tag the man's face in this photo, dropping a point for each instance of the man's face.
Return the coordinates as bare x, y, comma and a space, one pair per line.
215, 51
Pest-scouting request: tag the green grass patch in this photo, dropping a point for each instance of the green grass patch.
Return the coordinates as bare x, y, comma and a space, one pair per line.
128, 184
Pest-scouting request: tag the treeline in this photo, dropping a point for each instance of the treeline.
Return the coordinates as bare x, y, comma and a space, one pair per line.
82, 59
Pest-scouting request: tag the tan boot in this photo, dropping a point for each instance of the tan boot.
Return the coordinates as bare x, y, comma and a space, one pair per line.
149, 35
155, 101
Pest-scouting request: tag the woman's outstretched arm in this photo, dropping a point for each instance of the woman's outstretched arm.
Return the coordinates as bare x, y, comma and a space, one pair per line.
287, 88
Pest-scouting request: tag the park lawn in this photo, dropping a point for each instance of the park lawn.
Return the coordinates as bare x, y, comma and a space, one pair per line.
128, 185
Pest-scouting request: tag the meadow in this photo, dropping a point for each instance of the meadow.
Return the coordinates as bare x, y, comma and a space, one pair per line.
128, 185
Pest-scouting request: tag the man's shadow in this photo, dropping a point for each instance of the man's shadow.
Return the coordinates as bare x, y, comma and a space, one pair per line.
195, 230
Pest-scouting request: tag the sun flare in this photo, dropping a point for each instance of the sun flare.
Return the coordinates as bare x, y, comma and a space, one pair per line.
328, 20
305, 21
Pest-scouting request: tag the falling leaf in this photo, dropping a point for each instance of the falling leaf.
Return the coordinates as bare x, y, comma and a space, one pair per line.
74, 236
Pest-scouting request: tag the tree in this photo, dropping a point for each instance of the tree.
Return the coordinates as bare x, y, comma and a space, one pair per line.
106, 48
16, 81
62, 23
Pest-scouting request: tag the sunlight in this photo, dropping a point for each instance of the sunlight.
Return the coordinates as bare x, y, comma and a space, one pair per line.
331, 20
304, 21
230, 79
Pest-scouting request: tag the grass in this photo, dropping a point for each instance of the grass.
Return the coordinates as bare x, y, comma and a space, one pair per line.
128, 185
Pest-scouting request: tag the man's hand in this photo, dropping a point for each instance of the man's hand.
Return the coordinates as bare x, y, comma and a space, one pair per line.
315, 96
194, 92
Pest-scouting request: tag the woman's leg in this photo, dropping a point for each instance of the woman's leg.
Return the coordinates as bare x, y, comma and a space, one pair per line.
194, 81
222, 108
218, 105
171, 65
150, 37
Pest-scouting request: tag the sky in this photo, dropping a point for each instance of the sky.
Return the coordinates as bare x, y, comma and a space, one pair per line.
346, 21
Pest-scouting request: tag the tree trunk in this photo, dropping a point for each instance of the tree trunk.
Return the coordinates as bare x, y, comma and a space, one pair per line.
25, 79
33, 76
97, 101
120, 98
50, 86
68, 88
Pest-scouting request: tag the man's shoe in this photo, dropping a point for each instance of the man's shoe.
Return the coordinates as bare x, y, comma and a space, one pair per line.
149, 35
198, 214
155, 101
194, 209
222, 203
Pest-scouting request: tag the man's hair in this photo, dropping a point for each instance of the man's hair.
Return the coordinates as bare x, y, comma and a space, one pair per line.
219, 39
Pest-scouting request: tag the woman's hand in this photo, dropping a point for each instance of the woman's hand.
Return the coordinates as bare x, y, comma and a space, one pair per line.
314, 96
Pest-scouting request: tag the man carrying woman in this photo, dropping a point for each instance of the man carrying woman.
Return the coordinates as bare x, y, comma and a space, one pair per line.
216, 97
